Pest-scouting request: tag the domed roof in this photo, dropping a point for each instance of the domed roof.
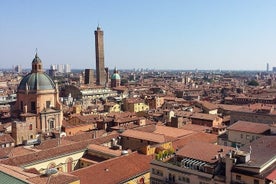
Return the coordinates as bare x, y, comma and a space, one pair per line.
116, 76
36, 81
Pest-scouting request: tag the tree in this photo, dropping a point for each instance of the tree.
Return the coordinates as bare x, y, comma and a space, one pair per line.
253, 83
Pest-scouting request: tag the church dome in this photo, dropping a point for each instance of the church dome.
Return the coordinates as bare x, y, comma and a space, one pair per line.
36, 81
116, 76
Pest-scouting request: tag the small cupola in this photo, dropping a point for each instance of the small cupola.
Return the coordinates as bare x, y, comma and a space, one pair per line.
36, 64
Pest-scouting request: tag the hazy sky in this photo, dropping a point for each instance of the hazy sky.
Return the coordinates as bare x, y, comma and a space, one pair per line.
156, 34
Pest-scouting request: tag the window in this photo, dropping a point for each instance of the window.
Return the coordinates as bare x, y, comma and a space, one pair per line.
51, 124
241, 136
32, 106
238, 177
30, 127
21, 104
184, 179
256, 181
157, 172
247, 137
48, 103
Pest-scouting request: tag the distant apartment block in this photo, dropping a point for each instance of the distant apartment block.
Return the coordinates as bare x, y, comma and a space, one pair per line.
61, 68
18, 68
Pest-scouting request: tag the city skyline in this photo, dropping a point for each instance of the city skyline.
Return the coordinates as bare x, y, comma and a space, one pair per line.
184, 35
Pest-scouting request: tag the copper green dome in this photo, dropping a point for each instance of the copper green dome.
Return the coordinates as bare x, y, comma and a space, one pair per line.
116, 76
36, 81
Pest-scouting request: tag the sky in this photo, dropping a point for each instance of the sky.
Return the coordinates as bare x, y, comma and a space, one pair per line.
153, 34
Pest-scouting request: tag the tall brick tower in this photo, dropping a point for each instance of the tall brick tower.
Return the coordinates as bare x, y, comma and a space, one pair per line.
99, 46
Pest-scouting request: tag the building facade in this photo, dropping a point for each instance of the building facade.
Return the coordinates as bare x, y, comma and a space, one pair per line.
88, 76
37, 104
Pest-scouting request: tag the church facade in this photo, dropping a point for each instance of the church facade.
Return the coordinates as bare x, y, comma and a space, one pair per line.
37, 108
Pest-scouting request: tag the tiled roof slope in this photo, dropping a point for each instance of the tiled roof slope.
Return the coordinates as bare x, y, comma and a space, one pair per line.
114, 170
246, 126
203, 151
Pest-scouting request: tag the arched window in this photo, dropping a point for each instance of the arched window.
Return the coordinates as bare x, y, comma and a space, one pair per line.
51, 165
30, 127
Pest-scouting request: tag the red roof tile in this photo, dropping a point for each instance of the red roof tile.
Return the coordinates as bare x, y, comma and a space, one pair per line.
272, 175
157, 138
246, 126
203, 151
58, 178
171, 131
55, 151
114, 170
198, 136
104, 149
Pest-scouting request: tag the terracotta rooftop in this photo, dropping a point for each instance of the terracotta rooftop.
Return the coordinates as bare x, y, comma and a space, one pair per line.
16, 172
208, 105
203, 151
54, 151
115, 170
197, 136
229, 107
272, 175
104, 149
204, 116
148, 128
261, 108
194, 127
171, 131
120, 114
154, 137
10, 152
80, 136
6, 138
126, 119
246, 126
47, 144
58, 178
